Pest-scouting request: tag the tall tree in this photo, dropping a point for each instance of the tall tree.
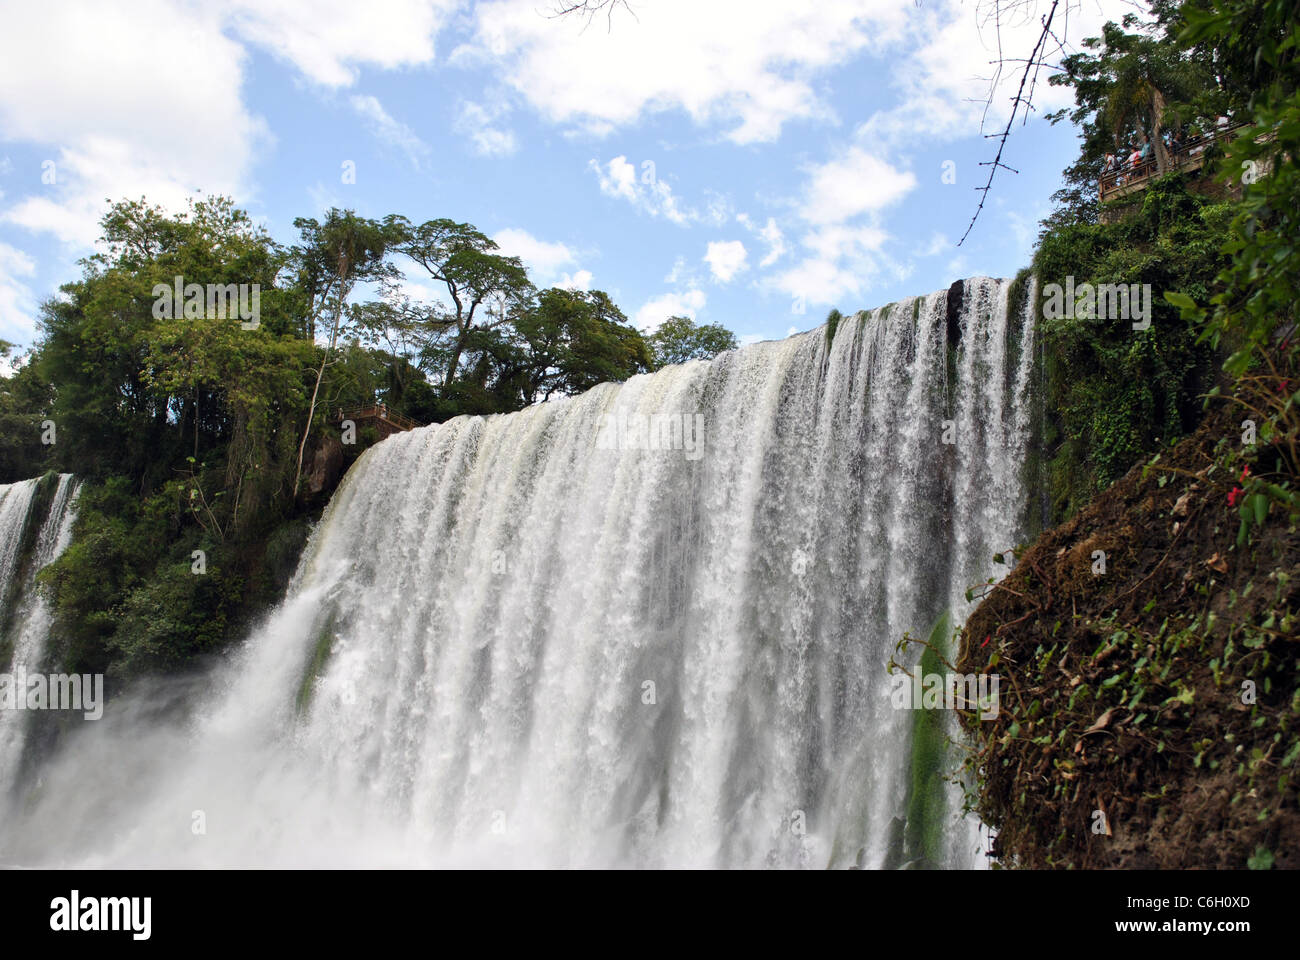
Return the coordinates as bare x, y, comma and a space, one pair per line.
1130, 81
484, 287
576, 339
348, 249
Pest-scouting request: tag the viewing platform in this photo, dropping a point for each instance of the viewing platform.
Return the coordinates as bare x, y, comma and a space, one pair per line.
1190, 156
387, 422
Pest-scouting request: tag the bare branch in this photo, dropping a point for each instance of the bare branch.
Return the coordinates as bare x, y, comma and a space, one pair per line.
1019, 102
588, 9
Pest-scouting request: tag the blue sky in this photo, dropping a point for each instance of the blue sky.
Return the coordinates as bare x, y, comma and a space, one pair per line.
748, 164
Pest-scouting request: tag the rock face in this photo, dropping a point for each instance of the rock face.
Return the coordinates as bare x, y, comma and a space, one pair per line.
1149, 657
956, 293
327, 465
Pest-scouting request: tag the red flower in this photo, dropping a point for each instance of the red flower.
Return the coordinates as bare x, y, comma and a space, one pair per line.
1235, 496
986, 641
1245, 472
1283, 386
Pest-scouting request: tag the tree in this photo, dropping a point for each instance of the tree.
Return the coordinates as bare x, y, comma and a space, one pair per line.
347, 249
25, 399
485, 287
1255, 311
574, 340
1134, 80
679, 339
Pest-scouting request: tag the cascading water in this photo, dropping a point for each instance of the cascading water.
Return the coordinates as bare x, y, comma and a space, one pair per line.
512, 641
24, 611
15, 504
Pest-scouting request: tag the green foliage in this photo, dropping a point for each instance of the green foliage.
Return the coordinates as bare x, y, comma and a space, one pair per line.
575, 340
1257, 303
24, 397
832, 324
680, 339
1112, 394
191, 430
1262, 859
1130, 83
484, 287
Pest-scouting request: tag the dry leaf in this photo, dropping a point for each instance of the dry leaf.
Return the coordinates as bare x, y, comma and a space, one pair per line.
1101, 722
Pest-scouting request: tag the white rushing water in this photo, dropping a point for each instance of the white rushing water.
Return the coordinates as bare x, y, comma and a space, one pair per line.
518, 647
24, 610
15, 504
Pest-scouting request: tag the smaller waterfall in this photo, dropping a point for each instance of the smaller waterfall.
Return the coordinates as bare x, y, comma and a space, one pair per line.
15, 504
25, 613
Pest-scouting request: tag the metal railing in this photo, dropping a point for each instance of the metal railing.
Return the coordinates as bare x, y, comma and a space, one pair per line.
380, 411
1189, 156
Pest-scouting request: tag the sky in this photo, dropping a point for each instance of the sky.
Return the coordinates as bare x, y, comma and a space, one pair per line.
749, 163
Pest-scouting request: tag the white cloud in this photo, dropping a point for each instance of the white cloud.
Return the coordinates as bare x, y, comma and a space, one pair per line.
939, 242
644, 190
770, 234
750, 66
717, 209
842, 243
544, 260
325, 197
117, 116
617, 179
478, 123
144, 97
841, 260
17, 305
853, 183
388, 129
726, 258
328, 40
579, 280
1024, 230
948, 75
687, 303
418, 287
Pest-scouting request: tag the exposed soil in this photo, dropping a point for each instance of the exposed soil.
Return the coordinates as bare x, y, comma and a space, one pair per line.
1129, 691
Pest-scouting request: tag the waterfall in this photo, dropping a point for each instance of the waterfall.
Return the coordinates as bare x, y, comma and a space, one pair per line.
15, 504
24, 610
576, 636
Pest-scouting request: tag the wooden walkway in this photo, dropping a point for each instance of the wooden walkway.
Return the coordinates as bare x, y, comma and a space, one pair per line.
388, 422
1189, 156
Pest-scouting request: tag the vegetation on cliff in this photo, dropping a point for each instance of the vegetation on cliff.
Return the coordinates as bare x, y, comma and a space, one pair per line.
1148, 646
208, 441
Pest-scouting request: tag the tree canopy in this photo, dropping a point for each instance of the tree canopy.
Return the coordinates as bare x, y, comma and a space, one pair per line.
202, 432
